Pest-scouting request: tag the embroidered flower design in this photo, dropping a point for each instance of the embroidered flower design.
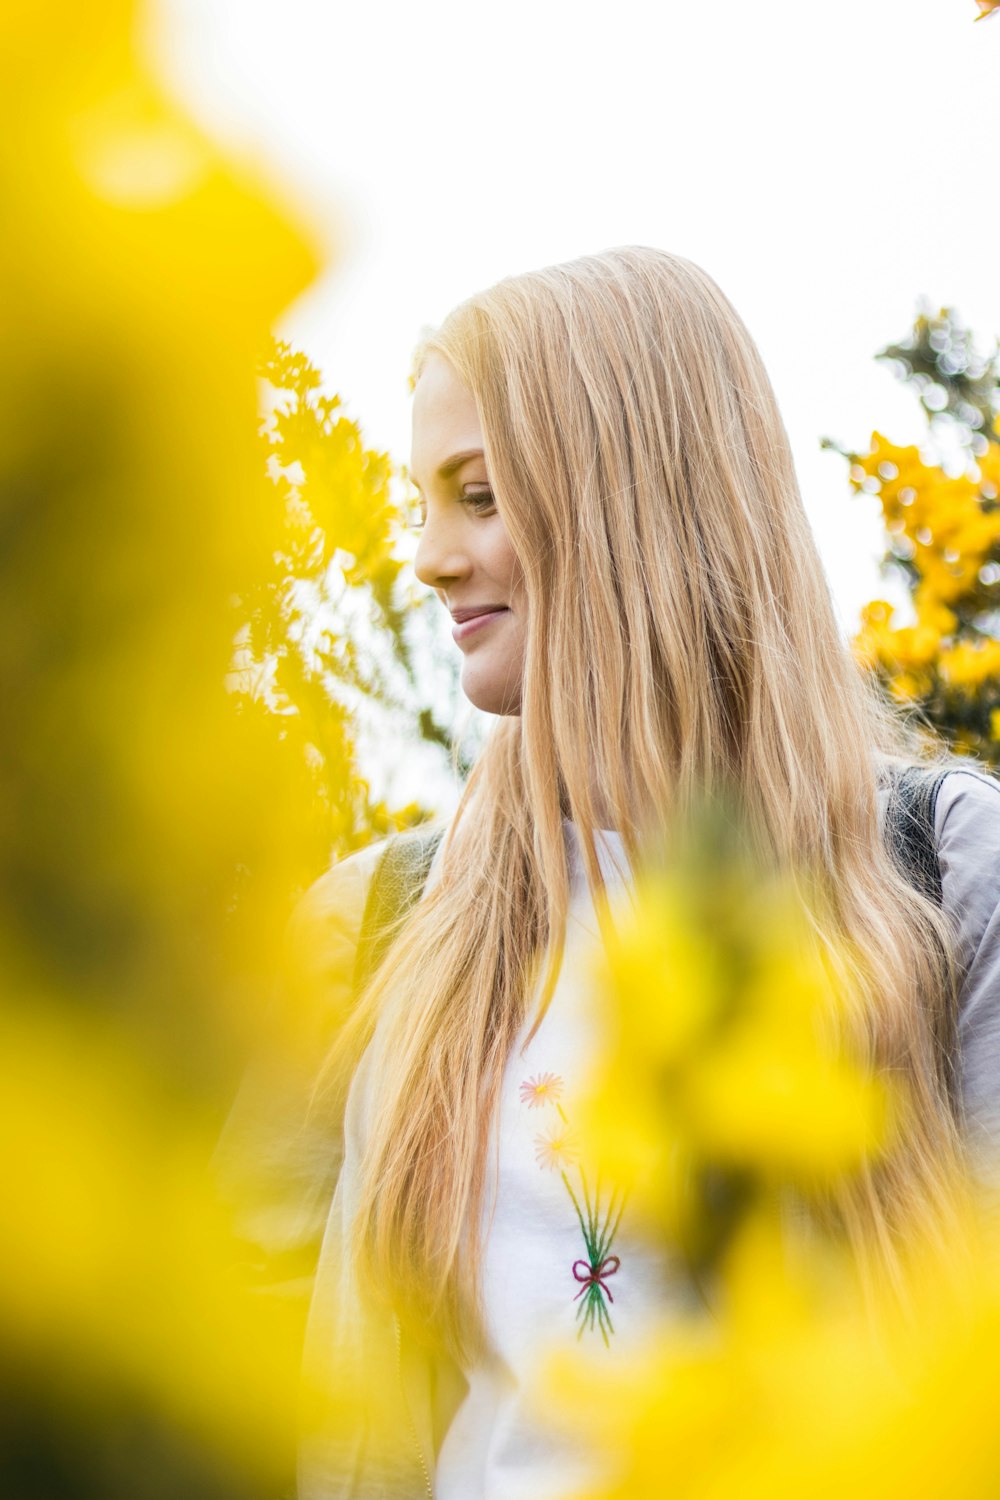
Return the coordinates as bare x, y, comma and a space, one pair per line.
556, 1149
544, 1088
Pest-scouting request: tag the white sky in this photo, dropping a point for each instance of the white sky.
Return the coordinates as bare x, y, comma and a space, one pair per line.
827, 163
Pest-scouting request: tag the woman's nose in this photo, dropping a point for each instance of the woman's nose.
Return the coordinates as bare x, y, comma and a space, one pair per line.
440, 557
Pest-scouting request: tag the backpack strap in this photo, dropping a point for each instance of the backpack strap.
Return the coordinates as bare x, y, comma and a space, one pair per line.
396, 887
909, 828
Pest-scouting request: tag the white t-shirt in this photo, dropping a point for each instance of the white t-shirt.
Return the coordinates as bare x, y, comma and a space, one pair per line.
561, 1271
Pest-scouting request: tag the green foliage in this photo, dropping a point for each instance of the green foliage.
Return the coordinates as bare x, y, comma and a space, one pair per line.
952, 378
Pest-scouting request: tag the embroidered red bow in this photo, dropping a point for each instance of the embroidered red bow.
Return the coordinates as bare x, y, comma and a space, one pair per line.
595, 1275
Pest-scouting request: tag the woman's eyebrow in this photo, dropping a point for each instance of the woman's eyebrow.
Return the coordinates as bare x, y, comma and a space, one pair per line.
451, 465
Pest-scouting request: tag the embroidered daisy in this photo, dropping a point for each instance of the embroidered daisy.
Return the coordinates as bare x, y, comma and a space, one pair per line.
557, 1149
544, 1088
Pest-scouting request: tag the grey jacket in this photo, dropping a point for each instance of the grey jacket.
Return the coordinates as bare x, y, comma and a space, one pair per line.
370, 1425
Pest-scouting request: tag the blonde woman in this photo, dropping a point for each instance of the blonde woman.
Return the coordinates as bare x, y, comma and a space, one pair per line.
611, 517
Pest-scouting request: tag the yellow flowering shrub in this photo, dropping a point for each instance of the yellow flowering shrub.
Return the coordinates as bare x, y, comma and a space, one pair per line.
730, 1103
789, 1391
325, 655
943, 532
141, 269
726, 1055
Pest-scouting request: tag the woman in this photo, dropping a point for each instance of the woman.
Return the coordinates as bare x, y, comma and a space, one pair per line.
610, 514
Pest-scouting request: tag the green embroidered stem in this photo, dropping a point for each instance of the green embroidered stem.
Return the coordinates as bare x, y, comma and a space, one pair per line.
608, 1238
583, 1228
591, 1216
598, 1229
593, 1311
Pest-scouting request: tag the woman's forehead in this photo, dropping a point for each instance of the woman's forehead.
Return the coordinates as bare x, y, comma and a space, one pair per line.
446, 423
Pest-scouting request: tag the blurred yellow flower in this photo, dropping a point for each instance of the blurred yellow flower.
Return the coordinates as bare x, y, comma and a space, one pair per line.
726, 1046
906, 688
933, 615
141, 270
970, 664
768, 1103
795, 1389
944, 530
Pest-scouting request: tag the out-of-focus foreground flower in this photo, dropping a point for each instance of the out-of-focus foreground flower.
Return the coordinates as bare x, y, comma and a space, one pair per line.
141, 272
729, 1102
728, 1055
789, 1390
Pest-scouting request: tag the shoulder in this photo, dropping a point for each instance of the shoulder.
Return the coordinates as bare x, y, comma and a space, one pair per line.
320, 945
327, 924
967, 829
327, 917
967, 824
277, 1158
968, 793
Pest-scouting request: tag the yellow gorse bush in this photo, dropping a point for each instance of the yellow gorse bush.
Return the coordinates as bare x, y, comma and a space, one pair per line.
943, 530
729, 1100
729, 1048
141, 271
789, 1391
328, 629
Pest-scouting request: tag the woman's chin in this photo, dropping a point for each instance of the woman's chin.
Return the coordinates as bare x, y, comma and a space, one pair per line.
490, 692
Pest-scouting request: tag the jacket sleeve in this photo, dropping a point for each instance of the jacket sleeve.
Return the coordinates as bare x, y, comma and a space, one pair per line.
967, 825
278, 1158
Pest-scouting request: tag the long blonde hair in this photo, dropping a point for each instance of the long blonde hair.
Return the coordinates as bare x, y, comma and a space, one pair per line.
681, 640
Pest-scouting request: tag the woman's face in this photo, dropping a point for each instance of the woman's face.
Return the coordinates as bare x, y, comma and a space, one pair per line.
465, 554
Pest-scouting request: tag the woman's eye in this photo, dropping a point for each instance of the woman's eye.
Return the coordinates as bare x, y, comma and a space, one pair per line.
480, 501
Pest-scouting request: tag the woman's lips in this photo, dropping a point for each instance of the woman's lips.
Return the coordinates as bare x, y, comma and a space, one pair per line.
464, 628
